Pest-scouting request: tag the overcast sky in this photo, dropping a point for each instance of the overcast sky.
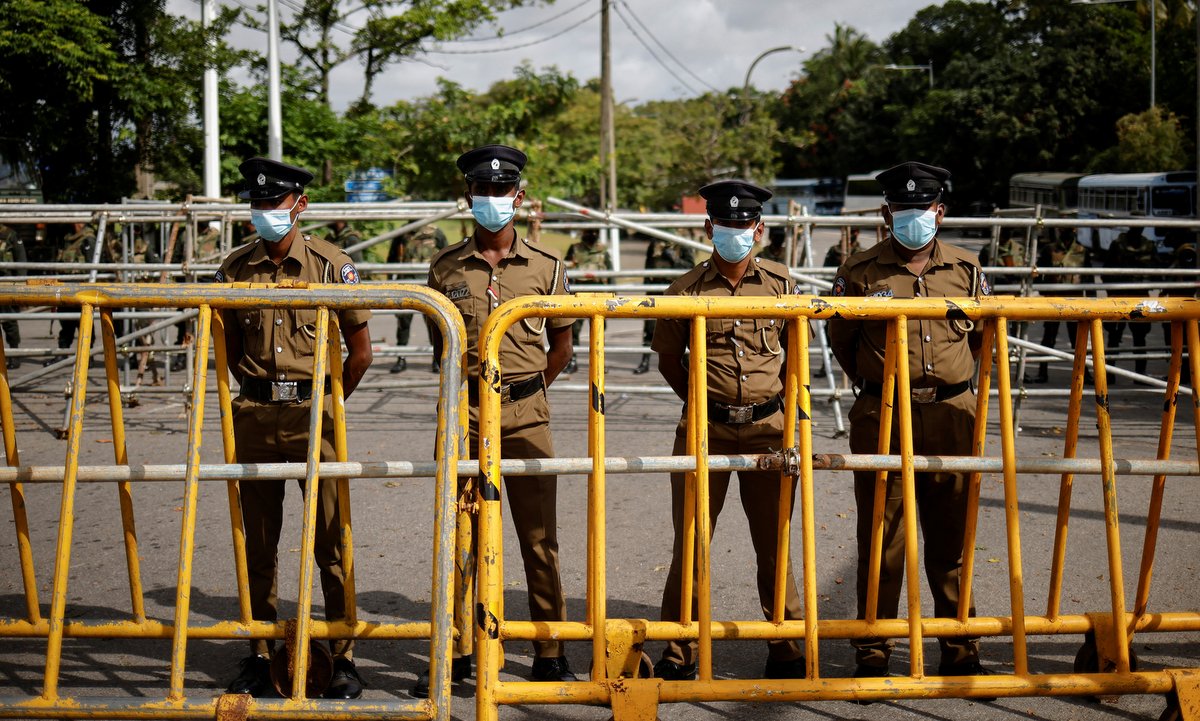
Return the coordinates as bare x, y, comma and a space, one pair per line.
714, 42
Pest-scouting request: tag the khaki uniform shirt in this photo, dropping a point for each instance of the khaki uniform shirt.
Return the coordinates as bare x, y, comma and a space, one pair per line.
461, 273
278, 343
744, 356
939, 352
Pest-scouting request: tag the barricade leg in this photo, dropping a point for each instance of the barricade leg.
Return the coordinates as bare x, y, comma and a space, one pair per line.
342, 452
597, 592
16, 492
1016, 577
886, 410
966, 578
698, 419
798, 342
912, 566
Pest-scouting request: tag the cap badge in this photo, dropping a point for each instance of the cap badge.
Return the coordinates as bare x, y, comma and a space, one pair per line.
262, 179
733, 202
912, 185
495, 163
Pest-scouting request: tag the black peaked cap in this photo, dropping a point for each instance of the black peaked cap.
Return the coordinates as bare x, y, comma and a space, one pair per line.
492, 164
266, 179
913, 183
734, 199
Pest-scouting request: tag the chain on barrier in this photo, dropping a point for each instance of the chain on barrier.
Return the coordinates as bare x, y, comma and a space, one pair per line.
618, 673
449, 544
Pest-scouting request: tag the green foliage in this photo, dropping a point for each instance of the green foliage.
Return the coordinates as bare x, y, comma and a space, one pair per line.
1148, 141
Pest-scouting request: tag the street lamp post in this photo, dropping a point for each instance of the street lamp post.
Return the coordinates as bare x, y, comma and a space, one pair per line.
928, 67
746, 92
1153, 38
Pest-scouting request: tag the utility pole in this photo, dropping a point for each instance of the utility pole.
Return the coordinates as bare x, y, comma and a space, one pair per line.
212, 132
274, 113
608, 143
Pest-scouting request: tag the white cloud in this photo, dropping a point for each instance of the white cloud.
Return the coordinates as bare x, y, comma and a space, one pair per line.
716, 40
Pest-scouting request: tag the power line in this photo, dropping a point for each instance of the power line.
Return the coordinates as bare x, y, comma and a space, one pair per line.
510, 33
658, 42
655, 55
560, 33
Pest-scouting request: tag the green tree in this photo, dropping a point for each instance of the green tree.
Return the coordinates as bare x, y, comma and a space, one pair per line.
1148, 141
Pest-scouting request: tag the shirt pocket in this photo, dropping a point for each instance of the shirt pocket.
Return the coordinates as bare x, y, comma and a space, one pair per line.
767, 338
254, 342
718, 331
304, 335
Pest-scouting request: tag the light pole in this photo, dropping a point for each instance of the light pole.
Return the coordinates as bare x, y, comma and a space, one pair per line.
929, 67
1153, 37
746, 91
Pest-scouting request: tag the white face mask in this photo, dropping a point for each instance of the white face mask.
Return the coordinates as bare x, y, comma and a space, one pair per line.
733, 244
273, 225
914, 228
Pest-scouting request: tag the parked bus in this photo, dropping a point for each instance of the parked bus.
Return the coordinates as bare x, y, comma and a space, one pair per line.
1052, 191
1135, 195
18, 182
862, 193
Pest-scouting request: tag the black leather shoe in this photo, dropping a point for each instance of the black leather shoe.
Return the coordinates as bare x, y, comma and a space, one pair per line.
178, 363
785, 669
967, 668
400, 366
862, 670
572, 366
12, 363
435, 366
254, 677
552, 669
644, 366
345, 683
460, 669
668, 670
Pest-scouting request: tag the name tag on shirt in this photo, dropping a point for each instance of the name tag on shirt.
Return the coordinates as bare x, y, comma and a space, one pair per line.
461, 290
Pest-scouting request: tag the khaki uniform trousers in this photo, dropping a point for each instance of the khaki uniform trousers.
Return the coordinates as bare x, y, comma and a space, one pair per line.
276, 433
759, 492
532, 500
943, 428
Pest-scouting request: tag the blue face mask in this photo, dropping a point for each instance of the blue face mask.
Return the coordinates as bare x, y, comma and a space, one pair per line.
491, 212
273, 225
914, 228
733, 244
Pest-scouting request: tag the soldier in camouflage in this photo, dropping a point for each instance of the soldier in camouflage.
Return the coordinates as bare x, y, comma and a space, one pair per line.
585, 255
420, 247
344, 236
12, 250
77, 248
661, 254
1131, 249
1062, 251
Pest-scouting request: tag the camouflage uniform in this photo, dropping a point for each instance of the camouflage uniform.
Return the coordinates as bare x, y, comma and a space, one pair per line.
1063, 252
661, 254
77, 248
420, 247
585, 255
344, 237
1131, 249
12, 250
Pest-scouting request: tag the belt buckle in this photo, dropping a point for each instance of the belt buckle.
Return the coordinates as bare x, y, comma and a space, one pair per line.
285, 392
740, 414
924, 395
506, 393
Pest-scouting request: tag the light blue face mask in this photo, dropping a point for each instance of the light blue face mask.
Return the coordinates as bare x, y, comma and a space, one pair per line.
733, 244
273, 225
914, 228
491, 212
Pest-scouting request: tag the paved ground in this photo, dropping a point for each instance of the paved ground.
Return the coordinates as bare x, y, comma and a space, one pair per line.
392, 534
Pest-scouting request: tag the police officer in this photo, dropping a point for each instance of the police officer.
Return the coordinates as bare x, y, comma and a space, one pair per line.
661, 254
77, 248
1131, 249
913, 263
270, 352
12, 250
745, 412
477, 275
587, 254
420, 247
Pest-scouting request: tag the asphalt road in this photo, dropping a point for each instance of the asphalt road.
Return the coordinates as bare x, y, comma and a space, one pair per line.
392, 526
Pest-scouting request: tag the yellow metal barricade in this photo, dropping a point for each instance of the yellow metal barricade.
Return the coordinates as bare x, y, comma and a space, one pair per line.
615, 672
209, 299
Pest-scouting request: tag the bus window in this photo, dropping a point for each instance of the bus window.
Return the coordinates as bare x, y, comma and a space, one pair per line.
1172, 201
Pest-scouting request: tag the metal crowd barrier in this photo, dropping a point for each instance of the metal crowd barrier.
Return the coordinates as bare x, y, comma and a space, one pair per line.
617, 678
177, 702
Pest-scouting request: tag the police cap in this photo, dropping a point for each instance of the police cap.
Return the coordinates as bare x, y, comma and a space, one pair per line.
913, 183
492, 164
734, 200
267, 179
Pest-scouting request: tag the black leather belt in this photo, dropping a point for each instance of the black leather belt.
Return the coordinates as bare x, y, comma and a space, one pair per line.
279, 391
509, 392
936, 394
737, 415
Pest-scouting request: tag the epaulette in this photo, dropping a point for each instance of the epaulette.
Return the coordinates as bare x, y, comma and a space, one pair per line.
324, 248
448, 249
775, 268
863, 256
239, 251
548, 252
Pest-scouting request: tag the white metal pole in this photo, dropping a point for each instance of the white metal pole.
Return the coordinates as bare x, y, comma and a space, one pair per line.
274, 113
212, 132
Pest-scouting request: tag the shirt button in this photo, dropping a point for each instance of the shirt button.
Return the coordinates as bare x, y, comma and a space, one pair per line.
928, 338
282, 376
247, 321
278, 349
928, 366
741, 353
495, 305
495, 279
745, 378
279, 321
737, 322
